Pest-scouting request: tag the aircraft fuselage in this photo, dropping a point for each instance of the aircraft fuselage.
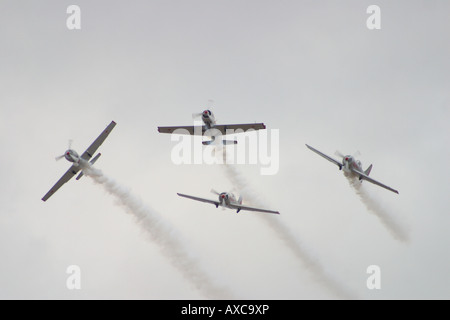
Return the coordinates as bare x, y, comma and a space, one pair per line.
349, 165
208, 119
72, 156
226, 198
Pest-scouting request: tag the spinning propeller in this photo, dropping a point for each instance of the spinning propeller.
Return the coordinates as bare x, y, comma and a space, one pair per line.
69, 146
339, 154
197, 115
208, 106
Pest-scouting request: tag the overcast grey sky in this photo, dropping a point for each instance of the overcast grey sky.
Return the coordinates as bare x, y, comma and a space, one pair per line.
311, 69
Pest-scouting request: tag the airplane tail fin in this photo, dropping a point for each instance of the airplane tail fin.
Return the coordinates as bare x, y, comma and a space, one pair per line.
367, 172
91, 162
240, 200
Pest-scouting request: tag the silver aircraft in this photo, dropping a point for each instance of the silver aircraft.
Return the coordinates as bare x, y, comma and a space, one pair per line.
227, 200
79, 162
353, 167
211, 129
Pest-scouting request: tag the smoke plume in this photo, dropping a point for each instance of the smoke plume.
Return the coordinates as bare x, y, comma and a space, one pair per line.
161, 233
284, 233
374, 206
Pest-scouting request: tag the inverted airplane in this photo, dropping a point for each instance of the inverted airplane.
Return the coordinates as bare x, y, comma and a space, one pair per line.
227, 200
211, 129
79, 162
353, 167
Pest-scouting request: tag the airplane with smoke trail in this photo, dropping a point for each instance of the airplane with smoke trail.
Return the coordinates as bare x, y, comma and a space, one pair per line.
353, 167
211, 129
79, 162
227, 200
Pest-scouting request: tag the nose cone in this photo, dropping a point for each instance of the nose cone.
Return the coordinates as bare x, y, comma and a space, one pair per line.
223, 196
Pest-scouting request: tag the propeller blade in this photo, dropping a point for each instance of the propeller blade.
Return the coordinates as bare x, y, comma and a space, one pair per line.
210, 103
339, 154
356, 154
215, 192
69, 144
196, 115
59, 157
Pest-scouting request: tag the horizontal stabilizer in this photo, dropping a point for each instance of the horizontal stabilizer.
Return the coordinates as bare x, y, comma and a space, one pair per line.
207, 143
224, 142
227, 142
95, 158
80, 175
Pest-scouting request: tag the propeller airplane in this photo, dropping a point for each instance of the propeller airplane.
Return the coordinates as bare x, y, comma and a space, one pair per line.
227, 200
79, 162
211, 129
353, 167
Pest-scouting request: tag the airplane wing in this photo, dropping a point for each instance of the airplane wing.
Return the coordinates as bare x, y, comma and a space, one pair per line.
244, 127
183, 130
326, 157
222, 128
216, 203
241, 207
97, 143
73, 170
367, 178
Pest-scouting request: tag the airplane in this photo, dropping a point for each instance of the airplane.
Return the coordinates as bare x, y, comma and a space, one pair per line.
227, 200
79, 162
353, 167
211, 128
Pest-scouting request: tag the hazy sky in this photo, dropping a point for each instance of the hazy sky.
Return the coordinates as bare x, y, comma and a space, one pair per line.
311, 69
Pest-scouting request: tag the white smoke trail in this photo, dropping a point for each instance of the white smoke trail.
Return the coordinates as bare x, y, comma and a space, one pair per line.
284, 233
374, 206
160, 232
